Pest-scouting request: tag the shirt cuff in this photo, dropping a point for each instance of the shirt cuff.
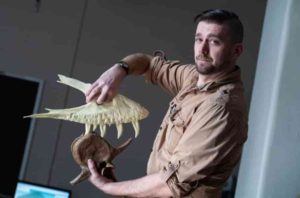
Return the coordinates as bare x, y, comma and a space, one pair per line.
168, 175
178, 189
168, 171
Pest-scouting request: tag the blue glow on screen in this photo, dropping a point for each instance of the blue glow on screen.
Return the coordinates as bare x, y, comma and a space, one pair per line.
26, 190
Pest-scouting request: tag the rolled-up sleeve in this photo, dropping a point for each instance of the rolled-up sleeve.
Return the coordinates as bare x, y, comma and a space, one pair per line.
167, 74
207, 152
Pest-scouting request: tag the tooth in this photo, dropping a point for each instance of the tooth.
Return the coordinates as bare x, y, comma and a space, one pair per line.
105, 121
119, 129
87, 128
136, 127
94, 127
102, 130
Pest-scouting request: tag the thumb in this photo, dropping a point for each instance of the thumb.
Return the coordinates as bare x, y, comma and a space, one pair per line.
92, 167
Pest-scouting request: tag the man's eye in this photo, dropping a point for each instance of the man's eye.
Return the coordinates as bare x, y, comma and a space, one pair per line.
215, 42
198, 39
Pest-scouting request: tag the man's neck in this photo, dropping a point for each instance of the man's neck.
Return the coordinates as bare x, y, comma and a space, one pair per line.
203, 79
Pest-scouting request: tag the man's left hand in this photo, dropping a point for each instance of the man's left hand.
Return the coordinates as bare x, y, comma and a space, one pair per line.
96, 178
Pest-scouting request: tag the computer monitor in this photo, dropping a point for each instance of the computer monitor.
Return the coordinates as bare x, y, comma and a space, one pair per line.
25, 189
21, 131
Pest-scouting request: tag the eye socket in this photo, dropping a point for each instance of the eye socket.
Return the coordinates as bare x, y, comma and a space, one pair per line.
214, 42
198, 39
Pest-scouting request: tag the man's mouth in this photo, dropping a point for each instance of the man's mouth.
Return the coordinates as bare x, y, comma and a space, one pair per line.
204, 59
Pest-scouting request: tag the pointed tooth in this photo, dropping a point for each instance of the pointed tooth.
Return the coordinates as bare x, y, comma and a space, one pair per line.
105, 121
136, 127
119, 129
94, 127
87, 128
102, 130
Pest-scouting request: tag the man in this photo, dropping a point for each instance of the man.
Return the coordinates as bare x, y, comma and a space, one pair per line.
201, 137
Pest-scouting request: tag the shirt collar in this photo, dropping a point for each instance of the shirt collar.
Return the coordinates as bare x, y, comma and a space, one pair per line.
231, 77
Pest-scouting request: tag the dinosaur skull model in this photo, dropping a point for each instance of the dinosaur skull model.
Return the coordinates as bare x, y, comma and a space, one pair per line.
93, 146
90, 145
120, 110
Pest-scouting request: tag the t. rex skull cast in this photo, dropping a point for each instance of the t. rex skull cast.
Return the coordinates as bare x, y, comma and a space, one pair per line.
120, 110
93, 146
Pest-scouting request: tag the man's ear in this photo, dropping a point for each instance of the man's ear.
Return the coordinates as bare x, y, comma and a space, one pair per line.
238, 49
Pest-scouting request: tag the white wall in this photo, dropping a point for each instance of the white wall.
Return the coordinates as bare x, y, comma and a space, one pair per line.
271, 158
52, 41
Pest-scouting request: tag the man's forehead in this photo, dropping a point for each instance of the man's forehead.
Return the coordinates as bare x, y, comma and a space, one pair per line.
208, 27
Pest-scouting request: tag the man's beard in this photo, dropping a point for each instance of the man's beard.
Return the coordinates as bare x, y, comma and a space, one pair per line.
206, 66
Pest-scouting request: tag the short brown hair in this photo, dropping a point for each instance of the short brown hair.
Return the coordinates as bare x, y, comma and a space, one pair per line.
220, 16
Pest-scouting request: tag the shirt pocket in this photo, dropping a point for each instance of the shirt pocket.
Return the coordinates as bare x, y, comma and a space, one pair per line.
176, 129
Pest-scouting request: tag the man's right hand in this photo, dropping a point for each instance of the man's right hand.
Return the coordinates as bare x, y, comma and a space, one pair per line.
106, 86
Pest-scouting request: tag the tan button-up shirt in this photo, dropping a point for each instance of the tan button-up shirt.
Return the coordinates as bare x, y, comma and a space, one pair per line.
200, 140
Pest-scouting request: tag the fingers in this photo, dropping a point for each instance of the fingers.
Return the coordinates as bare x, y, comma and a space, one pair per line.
88, 92
92, 167
93, 93
93, 90
100, 94
103, 95
96, 92
96, 178
106, 86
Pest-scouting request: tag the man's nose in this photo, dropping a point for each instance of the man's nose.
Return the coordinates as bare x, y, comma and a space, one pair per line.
204, 48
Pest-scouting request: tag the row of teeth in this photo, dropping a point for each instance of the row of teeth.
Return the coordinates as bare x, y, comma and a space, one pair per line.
103, 129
